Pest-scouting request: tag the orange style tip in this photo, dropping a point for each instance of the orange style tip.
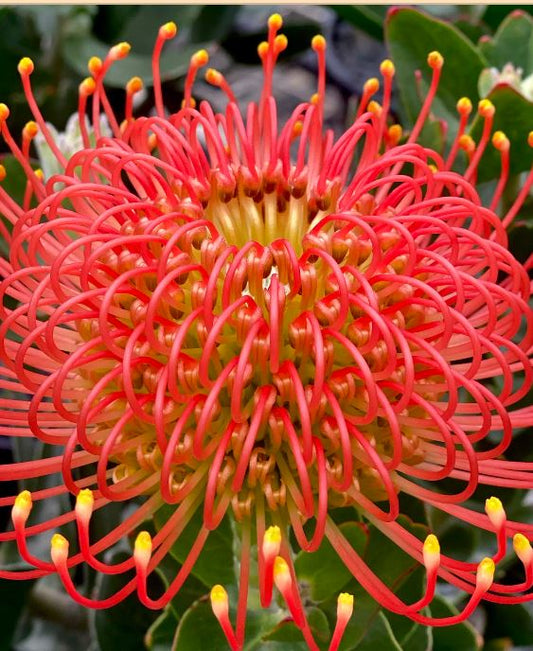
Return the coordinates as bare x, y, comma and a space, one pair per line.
522, 548
495, 511
485, 574
500, 141
318, 43
395, 134
280, 43
168, 30
297, 128
23, 502
435, 60
213, 77
134, 85
58, 548
200, 58
87, 86
30, 130
4, 112
375, 108
344, 606
530, 138
314, 99
120, 51
466, 143
486, 108
152, 141
371, 86
275, 22
25, 66
3, 173
387, 68
262, 49
464, 106
192, 103
39, 173
94, 65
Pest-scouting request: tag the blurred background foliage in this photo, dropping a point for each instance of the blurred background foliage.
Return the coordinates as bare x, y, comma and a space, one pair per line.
488, 52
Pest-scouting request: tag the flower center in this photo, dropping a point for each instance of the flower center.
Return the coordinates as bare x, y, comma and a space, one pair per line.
223, 362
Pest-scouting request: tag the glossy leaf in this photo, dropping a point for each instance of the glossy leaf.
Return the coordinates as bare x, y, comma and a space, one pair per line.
462, 62
174, 63
124, 625
369, 18
323, 570
512, 43
451, 638
514, 116
219, 547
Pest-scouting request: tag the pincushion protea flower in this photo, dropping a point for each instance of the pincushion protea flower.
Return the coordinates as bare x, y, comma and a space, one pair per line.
223, 314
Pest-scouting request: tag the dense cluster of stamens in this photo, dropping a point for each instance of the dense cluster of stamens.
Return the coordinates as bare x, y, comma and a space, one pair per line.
226, 314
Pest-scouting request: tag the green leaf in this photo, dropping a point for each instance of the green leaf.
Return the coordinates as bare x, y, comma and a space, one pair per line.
369, 18
141, 29
13, 595
174, 63
219, 546
289, 636
379, 636
161, 633
395, 568
324, 570
512, 43
198, 629
514, 622
213, 23
462, 62
514, 116
123, 626
451, 638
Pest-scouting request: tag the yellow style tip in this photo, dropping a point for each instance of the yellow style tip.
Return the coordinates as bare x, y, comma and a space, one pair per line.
522, 548
23, 502
168, 30
387, 68
500, 141
120, 50
87, 86
275, 22
94, 65
218, 594
58, 548
31, 129
213, 77
486, 108
485, 574
464, 106
280, 43
435, 60
25, 66
371, 85
200, 58
4, 112
134, 85
345, 603
318, 43
3, 173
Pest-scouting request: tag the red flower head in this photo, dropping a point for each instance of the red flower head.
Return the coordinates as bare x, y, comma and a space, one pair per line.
221, 313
